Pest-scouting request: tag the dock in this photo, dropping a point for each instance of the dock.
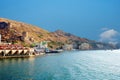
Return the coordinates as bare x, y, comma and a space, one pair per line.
9, 51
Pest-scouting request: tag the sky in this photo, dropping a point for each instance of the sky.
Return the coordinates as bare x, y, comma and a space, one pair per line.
93, 19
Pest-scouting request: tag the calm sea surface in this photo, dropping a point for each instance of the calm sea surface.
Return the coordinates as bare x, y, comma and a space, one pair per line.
75, 65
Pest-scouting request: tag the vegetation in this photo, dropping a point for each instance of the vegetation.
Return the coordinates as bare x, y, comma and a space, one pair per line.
54, 44
25, 44
40, 36
32, 45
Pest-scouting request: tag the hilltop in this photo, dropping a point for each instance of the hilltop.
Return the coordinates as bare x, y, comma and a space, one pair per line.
26, 34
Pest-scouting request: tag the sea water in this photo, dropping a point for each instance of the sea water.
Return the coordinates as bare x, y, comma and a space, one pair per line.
73, 65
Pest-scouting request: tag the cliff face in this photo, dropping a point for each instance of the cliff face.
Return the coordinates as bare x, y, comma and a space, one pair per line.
21, 33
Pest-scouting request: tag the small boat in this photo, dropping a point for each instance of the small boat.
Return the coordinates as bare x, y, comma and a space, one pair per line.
52, 51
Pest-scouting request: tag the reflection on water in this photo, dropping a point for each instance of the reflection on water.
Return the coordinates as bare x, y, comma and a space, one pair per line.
14, 68
16, 60
77, 65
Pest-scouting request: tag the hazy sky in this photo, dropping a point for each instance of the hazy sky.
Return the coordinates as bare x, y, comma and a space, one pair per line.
93, 19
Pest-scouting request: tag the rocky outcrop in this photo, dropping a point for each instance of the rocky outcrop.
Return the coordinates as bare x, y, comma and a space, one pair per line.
85, 46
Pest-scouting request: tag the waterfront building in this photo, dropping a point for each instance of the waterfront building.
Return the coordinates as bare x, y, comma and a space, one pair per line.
13, 50
68, 47
85, 46
40, 47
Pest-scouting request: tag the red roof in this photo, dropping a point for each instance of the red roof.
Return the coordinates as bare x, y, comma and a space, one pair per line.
11, 46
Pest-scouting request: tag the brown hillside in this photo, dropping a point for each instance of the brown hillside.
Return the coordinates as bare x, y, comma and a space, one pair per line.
38, 34
26, 34
35, 33
21, 32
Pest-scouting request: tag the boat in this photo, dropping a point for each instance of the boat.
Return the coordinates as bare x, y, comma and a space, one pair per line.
52, 51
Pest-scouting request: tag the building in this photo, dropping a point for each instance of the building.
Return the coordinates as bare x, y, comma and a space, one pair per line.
85, 46
68, 47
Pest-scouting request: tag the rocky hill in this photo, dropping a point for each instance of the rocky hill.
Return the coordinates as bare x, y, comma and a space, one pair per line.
26, 34
68, 36
81, 43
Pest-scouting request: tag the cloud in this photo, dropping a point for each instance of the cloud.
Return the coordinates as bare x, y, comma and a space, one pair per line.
109, 35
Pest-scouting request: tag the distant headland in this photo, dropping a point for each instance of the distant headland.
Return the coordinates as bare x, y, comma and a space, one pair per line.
26, 35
